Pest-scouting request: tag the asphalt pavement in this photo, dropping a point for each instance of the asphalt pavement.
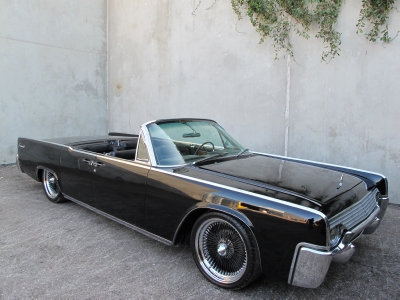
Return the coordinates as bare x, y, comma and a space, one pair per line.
64, 251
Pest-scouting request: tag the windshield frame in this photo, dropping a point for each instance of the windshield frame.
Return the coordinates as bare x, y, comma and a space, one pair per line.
151, 150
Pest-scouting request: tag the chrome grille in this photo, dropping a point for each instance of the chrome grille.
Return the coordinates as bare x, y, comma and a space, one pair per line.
356, 213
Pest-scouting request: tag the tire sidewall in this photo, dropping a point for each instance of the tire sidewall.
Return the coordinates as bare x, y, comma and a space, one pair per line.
253, 261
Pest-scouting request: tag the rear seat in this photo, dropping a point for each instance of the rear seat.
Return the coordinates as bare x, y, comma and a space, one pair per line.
129, 144
98, 148
125, 149
127, 154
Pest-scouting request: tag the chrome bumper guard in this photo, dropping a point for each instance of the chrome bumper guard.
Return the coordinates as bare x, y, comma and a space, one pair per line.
311, 263
18, 165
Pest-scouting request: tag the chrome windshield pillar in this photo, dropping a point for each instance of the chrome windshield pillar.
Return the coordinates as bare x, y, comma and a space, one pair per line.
147, 140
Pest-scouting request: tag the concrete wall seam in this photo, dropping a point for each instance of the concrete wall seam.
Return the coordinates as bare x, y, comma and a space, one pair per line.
287, 109
107, 63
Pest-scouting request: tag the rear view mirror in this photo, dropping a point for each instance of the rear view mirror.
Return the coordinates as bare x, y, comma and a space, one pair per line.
191, 134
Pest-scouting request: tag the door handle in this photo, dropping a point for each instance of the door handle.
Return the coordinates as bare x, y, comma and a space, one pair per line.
98, 164
92, 163
85, 160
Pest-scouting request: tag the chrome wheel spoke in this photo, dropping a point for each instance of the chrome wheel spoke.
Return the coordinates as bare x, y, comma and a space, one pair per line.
221, 251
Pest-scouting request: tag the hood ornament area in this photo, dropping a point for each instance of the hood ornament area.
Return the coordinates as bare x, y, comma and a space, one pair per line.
340, 182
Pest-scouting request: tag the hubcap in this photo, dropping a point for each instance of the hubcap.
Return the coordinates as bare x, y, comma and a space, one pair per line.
221, 251
50, 184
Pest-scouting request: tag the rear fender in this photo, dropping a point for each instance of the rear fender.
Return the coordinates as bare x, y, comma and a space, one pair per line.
39, 170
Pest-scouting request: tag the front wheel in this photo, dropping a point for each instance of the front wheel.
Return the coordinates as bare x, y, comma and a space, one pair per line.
51, 187
225, 251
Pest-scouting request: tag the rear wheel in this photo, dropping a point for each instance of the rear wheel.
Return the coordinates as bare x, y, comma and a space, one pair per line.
225, 251
51, 187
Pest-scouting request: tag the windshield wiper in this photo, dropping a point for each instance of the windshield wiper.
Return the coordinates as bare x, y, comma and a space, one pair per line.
210, 157
241, 152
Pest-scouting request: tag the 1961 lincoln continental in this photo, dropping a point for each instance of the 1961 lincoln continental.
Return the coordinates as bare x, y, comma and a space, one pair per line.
244, 213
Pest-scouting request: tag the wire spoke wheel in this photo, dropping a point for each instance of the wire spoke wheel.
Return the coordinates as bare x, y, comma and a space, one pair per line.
51, 187
221, 251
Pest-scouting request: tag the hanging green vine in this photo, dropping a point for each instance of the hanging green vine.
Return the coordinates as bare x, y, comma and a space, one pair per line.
376, 12
277, 18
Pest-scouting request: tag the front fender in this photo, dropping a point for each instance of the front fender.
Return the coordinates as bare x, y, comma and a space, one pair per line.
201, 207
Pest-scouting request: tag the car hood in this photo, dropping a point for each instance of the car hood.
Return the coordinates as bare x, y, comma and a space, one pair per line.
326, 190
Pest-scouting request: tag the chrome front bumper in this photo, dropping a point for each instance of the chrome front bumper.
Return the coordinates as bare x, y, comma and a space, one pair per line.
311, 263
18, 165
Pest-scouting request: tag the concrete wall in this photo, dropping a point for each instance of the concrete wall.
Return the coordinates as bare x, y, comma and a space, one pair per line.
166, 62
347, 112
52, 70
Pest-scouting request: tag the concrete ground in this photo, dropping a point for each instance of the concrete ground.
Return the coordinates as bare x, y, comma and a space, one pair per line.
63, 251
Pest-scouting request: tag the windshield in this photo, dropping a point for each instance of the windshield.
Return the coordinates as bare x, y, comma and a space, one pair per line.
187, 141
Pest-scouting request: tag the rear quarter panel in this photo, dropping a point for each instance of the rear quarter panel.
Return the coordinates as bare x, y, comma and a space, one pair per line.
34, 154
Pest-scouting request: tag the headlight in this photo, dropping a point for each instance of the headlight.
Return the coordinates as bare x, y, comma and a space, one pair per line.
335, 236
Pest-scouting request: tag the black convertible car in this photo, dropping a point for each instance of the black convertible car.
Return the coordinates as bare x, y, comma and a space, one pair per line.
244, 213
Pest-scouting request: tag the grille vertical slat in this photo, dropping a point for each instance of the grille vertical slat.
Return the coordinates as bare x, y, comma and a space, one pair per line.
356, 213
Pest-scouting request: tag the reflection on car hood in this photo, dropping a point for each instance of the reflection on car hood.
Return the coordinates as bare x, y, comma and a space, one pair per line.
317, 183
326, 190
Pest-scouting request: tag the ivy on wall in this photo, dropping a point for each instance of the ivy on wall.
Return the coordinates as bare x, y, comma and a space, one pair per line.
376, 13
275, 19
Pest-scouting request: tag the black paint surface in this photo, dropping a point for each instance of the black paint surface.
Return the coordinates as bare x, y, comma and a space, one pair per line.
278, 199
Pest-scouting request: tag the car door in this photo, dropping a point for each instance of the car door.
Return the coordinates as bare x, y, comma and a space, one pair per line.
119, 188
77, 174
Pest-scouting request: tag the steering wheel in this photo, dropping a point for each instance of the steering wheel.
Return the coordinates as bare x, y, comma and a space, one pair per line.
202, 146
